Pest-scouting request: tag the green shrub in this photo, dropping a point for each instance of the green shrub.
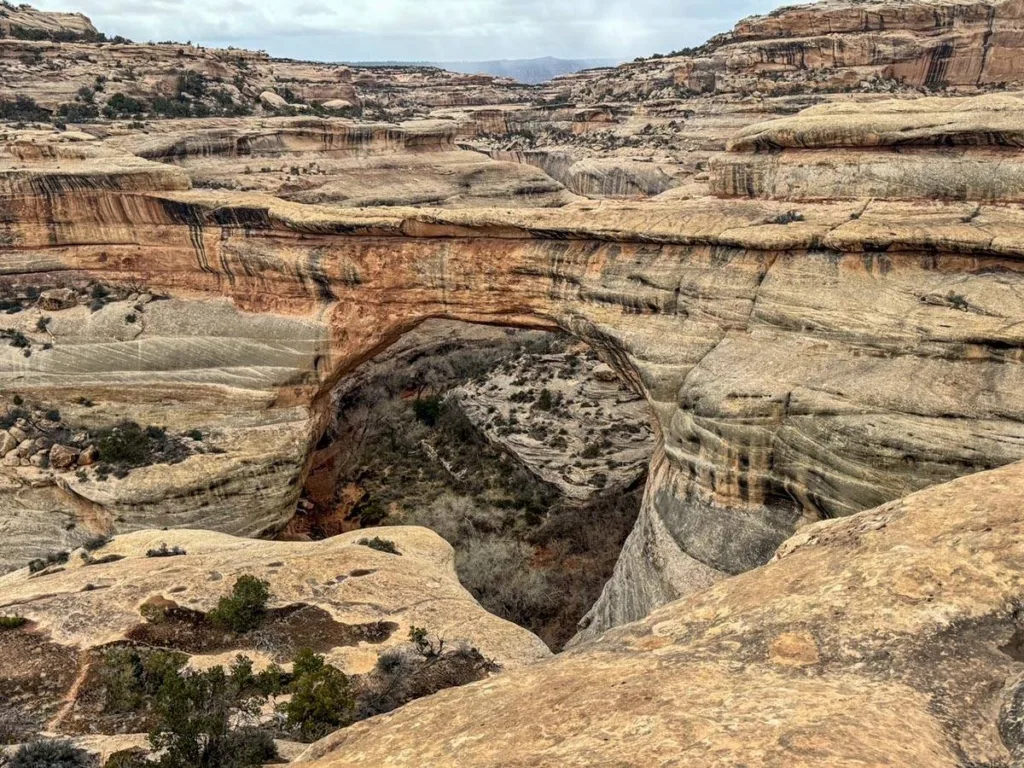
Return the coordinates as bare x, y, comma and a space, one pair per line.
246, 608
54, 558
132, 675
78, 113
121, 105
22, 109
545, 401
428, 410
381, 545
12, 622
163, 551
197, 713
51, 753
96, 542
128, 758
322, 699
124, 443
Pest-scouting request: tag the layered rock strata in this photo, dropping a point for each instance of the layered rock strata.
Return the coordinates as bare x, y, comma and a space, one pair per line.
798, 366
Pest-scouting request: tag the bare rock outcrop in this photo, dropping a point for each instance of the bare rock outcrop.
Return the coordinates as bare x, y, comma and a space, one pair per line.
569, 419
838, 326
798, 367
890, 638
341, 598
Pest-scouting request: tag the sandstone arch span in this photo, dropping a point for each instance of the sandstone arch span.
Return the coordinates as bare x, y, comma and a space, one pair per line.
796, 370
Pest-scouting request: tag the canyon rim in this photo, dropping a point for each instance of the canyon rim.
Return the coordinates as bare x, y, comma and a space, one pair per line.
768, 291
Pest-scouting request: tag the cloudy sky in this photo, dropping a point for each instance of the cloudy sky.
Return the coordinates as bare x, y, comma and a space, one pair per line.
410, 30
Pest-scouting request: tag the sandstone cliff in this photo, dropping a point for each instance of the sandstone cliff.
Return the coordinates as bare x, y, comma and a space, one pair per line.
838, 327
888, 638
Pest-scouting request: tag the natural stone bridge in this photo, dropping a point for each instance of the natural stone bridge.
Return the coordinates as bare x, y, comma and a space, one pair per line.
796, 367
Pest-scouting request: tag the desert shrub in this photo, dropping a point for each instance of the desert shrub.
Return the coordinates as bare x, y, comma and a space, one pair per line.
13, 415
131, 675
545, 400
22, 108
171, 107
16, 338
427, 410
78, 113
591, 451
787, 218
51, 753
202, 720
246, 608
164, 551
381, 545
54, 558
96, 542
322, 699
192, 83
12, 622
120, 105
53, 415
498, 573
125, 443
128, 758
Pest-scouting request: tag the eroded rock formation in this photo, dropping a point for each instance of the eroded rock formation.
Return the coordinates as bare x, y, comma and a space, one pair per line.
338, 597
888, 638
836, 327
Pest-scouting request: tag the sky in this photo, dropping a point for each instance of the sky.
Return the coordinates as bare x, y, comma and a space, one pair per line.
422, 30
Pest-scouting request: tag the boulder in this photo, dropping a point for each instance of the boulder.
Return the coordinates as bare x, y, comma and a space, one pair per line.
337, 104
89, 456
7, 442
63, 457
57, 299
271, 100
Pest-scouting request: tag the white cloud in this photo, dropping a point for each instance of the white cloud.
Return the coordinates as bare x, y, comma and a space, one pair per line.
411, 30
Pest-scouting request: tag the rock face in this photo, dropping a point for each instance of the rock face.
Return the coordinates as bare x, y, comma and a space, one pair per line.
886, 638
836, 327
587, 435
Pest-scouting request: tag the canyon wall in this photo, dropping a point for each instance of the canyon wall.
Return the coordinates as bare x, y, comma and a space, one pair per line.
821, 310
799, 365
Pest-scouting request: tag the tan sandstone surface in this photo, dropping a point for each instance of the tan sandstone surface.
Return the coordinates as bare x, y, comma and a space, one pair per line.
836, 327
890, 638
347, 600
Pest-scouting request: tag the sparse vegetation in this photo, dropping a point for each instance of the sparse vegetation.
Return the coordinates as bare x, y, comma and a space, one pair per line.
209, 720
787, 218
50, 753
163, 551
428, 410
52, 559
381, 545
12, 622
246, 608
321, 697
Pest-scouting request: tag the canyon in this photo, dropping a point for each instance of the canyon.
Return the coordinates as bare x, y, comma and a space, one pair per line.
798, 246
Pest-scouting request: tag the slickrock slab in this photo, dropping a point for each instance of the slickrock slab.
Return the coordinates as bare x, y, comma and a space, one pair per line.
352, 582
886, 638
